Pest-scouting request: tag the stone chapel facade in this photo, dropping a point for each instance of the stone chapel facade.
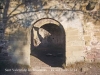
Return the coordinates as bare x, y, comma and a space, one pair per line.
57, 24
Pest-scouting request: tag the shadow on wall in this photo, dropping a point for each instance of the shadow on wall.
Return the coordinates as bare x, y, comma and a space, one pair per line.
48, 44
17, 37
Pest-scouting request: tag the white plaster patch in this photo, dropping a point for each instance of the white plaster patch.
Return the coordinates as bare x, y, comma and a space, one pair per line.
74, 23
90, 24
41, 14
88, 48
78, 43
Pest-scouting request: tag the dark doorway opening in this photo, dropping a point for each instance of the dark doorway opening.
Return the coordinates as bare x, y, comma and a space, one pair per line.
48, 44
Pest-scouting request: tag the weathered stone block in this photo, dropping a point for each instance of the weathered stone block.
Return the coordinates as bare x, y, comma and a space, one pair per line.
74, 48
87, 38
70, 32
98, 38
97, 34
75, 43
97, 60
98, 56
73, 38
87, 43
90, 56
85, 32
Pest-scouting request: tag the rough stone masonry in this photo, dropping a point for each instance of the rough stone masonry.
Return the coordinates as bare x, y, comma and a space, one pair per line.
29, 24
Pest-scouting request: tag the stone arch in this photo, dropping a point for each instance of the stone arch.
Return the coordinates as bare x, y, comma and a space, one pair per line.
44, 21
56, 30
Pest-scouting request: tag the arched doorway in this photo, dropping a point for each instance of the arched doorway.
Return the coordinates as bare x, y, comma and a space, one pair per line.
48, 42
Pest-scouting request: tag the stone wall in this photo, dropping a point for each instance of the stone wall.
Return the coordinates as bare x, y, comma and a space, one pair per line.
81, 34
91, 36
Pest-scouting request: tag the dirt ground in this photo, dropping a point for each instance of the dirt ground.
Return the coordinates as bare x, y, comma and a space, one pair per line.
76, 69
38, 67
